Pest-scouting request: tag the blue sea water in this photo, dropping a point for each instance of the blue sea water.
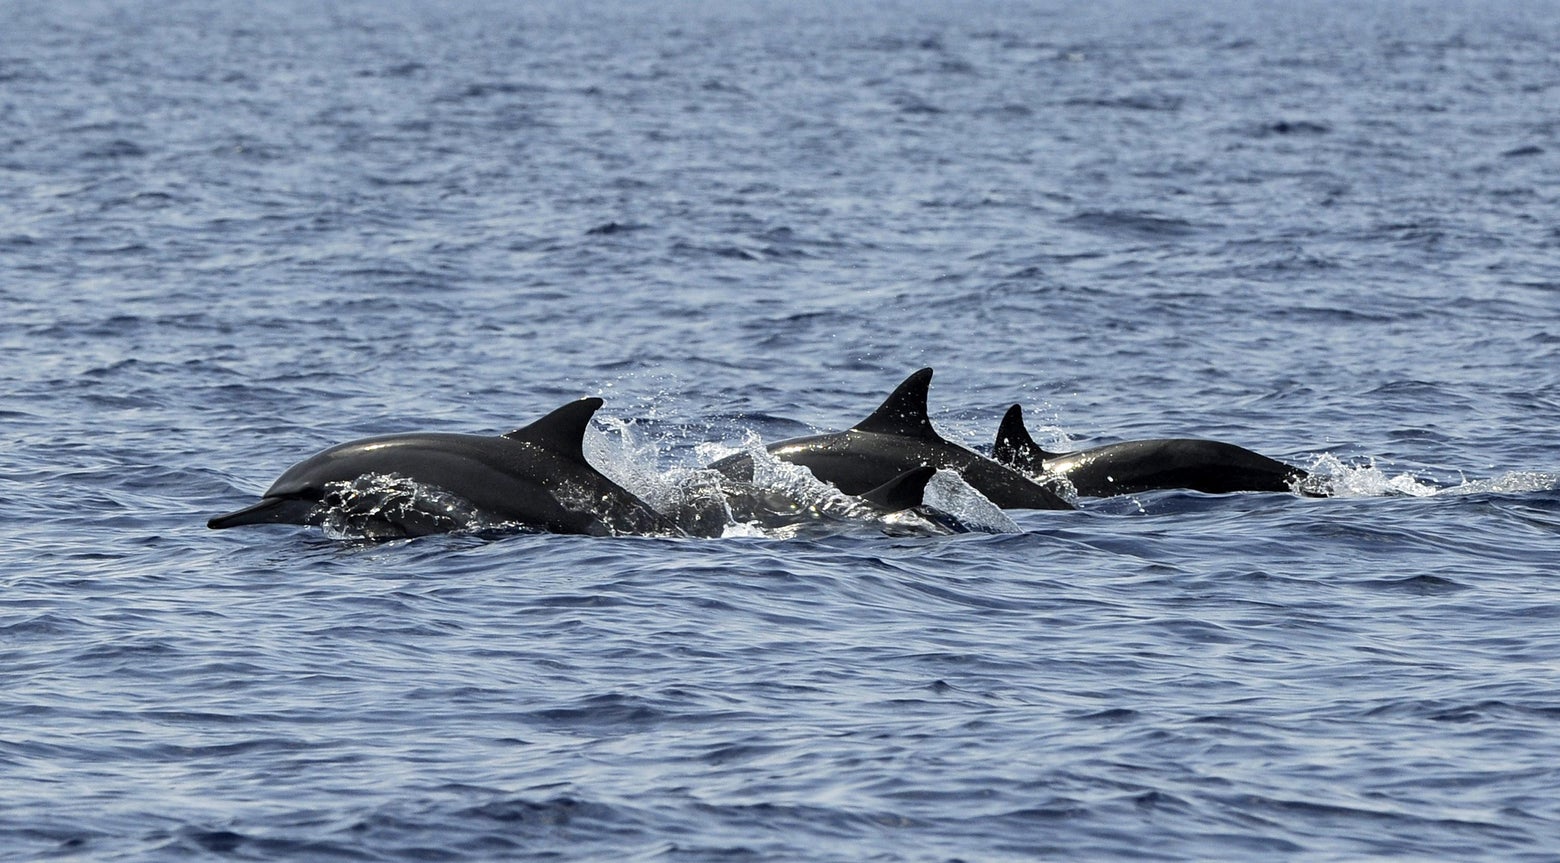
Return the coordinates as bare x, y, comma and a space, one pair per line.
234, 234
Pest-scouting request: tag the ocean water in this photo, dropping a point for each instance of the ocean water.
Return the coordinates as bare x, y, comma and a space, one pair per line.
234, 234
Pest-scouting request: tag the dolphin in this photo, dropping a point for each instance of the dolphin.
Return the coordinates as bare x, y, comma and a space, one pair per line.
1145, 465
896, 438
711, 501
535, 476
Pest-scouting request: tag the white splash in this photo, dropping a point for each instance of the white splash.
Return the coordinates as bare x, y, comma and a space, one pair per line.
1510, 482
947, 491
626, 458
389, 506
1332, 477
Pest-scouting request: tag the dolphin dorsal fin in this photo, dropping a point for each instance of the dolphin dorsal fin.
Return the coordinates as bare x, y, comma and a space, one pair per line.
1014, 445
563, 430
903, 491
904, 411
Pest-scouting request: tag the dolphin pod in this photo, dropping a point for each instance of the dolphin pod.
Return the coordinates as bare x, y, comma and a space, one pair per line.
537, 477
534, 477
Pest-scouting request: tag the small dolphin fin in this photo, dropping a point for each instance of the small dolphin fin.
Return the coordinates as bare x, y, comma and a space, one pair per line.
903, 491
563, 430
1014, 446
904, 411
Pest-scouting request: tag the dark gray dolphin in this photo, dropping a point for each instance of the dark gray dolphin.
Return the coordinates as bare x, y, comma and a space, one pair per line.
535, 476
896, 438
1145, 465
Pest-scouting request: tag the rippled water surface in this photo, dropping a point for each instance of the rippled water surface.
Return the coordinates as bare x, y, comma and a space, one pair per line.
232, 235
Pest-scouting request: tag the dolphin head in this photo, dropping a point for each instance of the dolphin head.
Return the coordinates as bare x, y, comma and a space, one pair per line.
295, 497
